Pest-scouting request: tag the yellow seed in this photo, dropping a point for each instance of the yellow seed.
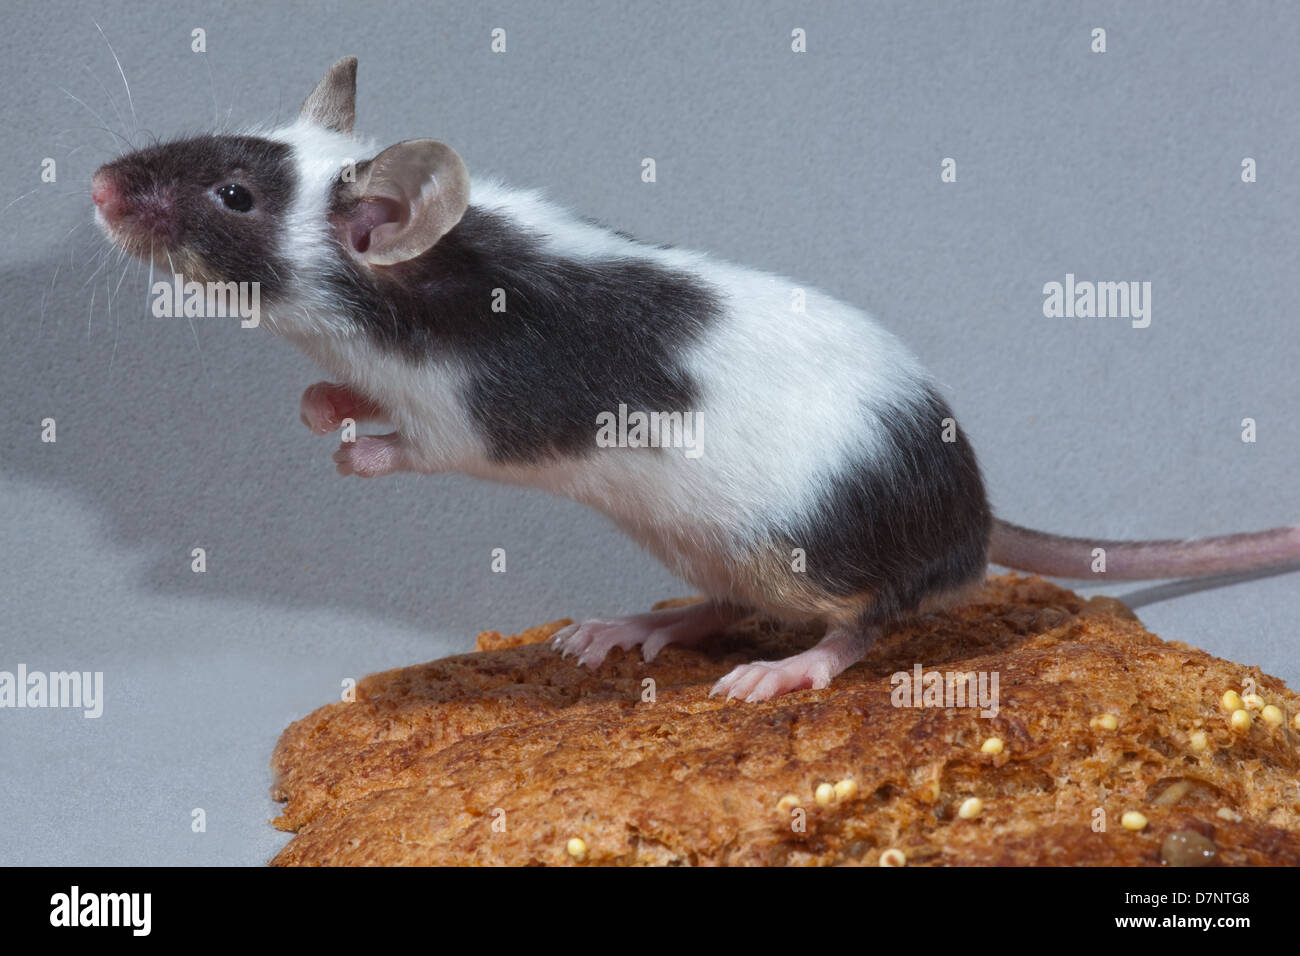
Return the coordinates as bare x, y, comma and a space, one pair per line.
1105, 722
992, 746
1271, 714
1253, 702
787, 803
1232, 700
577, 847
971, 808
893, 857
1132, 820
1241, 720
1199, 741
1295, 721
824, 794
846, 789
1223, 813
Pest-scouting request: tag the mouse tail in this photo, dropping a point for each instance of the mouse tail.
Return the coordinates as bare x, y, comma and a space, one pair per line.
1026, 550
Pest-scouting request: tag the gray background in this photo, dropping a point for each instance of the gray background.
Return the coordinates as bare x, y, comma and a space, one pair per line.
823, 166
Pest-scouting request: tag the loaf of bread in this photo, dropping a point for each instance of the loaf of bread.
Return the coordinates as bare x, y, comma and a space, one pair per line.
1096, 742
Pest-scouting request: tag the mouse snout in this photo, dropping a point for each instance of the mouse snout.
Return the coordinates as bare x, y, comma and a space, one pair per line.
105, 194
136, 210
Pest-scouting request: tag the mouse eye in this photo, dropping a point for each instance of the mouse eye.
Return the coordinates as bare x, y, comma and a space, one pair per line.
235, 197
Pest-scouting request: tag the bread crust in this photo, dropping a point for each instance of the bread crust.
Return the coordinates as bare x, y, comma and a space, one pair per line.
502, 756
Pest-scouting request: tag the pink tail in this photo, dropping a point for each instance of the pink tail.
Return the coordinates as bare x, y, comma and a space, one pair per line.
1026, 550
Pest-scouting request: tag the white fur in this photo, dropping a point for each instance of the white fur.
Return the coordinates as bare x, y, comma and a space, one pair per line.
783, 392
320, 155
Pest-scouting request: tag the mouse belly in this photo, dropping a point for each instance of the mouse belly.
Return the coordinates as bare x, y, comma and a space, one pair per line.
769, 576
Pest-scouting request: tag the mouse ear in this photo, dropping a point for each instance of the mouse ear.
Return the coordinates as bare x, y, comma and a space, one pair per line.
409, 197
333, 104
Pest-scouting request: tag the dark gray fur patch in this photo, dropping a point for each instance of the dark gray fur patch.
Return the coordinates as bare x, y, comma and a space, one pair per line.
577, 338
915, 526
168, 191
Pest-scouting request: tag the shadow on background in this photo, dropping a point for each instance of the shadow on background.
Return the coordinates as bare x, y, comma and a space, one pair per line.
1175, 589
192, 438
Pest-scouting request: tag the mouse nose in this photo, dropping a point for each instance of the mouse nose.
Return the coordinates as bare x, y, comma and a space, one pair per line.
104, 194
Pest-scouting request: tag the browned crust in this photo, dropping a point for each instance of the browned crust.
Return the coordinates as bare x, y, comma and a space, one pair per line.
417, 770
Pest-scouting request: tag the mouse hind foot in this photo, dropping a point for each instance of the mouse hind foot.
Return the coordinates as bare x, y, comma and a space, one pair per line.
841, 648
592, 640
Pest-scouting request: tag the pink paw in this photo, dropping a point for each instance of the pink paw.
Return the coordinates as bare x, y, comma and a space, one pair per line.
370, 456
325, 405
592, 640
814, 668
763, 680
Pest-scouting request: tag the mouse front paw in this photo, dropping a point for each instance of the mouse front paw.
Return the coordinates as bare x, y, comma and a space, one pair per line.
325, 406
372, 456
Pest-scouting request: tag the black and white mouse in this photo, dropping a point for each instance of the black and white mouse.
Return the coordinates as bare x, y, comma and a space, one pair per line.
776, 448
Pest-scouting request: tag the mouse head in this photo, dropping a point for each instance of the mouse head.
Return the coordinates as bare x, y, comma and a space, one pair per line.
285, 208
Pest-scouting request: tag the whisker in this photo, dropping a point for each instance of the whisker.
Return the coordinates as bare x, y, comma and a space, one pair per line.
117, 325
129, 100
111, 102
193, 331
20, 198
119, 281
104, 129
93, 112
57, 266
103, 122
103, 255
67, 193
149, 287
212, 85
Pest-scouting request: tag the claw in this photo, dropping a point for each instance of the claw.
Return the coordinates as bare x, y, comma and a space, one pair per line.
814, 668
592, 640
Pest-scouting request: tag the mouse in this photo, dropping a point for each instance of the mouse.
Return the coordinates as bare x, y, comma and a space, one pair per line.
779, 450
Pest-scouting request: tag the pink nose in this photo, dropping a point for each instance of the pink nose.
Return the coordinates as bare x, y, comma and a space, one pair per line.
103, 193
